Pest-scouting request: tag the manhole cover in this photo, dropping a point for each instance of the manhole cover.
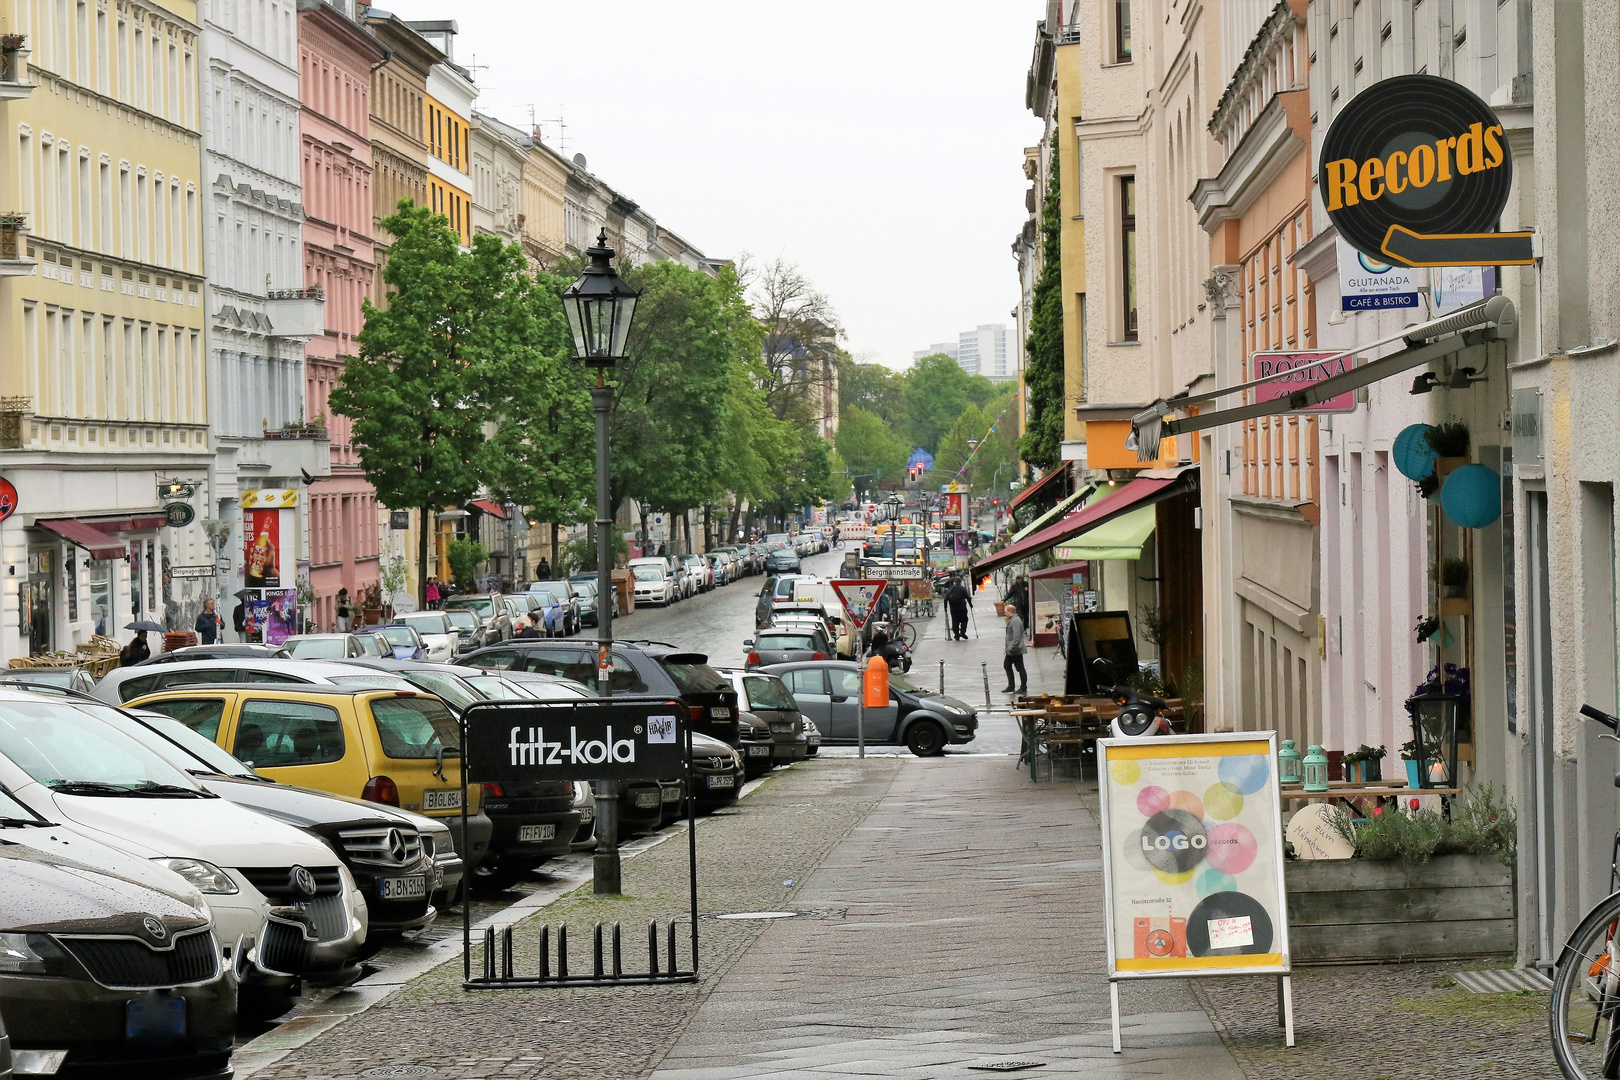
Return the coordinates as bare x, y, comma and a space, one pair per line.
399, 1070
759, 915
1007, 1066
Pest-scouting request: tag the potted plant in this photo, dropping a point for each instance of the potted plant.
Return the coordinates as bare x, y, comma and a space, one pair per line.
1364, 764
371, 604
1450, 441
1454, 578
1425, 628
1409, 759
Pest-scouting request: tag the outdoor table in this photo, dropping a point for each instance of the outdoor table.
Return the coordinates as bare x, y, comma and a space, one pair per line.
1341, 791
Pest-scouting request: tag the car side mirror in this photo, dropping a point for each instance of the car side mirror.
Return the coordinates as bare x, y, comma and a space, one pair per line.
749, 644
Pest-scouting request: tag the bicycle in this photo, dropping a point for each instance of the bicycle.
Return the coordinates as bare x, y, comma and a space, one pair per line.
1584, 1010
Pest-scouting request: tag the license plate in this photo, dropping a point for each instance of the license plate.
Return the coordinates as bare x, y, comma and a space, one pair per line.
783, 729
759, 751
672, 794
531, 833
445, 799
438, 878
404, 888
721, 712
722, 781
587, 815
155, 1018
644, 799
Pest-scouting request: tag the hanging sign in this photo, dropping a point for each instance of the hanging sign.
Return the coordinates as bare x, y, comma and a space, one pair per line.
179, 514
8, 498
1415, 169
1365, 284
607, 740
1304, 368
399, 519
859, 598
204, 570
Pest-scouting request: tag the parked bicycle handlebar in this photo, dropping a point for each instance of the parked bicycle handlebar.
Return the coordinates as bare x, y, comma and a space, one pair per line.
1610, 722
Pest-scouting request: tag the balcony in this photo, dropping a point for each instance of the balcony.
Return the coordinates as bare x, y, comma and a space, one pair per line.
14, 82
296, 313
14, 260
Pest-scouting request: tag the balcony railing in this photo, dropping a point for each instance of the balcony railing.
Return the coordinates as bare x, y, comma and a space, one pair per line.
14, 260
14, 82
296, 313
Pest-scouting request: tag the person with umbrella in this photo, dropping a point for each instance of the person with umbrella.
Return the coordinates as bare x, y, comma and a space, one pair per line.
138, 650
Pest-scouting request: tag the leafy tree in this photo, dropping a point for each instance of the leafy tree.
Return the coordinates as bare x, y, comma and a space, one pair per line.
937, 391
868, 446
1043, 363
464, 557
877, 388
800, 342
421, 388
954, 449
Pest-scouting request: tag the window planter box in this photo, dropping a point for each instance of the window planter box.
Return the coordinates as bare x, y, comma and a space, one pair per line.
1350, 910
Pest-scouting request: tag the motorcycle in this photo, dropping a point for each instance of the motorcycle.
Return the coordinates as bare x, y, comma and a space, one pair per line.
1140, 716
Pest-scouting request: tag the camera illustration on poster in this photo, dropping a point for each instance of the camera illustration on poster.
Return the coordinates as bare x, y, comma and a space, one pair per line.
1194, 858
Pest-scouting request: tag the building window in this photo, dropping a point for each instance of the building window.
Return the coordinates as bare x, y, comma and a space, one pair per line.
1122, 31
1127, 252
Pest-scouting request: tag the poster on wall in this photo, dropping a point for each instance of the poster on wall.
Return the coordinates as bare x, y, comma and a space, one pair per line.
952, 514
281, 618
1192, 856
255, 613
269, 538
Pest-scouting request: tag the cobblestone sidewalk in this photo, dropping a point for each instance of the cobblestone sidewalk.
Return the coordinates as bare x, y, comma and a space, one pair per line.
746, 859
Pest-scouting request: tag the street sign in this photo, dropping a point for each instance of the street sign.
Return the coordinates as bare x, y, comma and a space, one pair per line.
588, 740
859, 598
897, 573
180, 573
399, 519
179, 514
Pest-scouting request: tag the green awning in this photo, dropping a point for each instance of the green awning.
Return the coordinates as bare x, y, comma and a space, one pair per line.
1061, 508
1117, 538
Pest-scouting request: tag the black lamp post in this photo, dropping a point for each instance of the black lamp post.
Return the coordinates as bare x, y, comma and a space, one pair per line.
600, 306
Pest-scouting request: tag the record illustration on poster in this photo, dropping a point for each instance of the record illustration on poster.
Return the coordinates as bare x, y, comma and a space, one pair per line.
255, 613
1195, 855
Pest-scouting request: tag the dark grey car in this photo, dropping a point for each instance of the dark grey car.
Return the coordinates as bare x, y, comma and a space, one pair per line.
786, 645
829, 693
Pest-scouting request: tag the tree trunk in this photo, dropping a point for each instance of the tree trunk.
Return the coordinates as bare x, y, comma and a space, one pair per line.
708, 527
555, 560
422, 557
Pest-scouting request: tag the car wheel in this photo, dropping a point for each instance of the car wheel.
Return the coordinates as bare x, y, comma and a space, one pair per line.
925, 738
498, 875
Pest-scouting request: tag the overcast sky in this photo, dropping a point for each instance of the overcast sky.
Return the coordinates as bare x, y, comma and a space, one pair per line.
877, 143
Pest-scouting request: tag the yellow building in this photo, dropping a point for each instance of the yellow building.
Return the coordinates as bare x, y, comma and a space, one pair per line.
103, 385
449, 139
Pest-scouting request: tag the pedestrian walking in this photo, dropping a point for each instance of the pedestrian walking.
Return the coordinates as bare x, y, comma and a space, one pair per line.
210, 627
1014, 658
136, 651
957, 600
543, 571
239, 619
431, 594
344, 619
1018, 596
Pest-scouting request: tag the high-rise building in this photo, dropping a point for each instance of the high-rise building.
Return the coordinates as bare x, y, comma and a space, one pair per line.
938, 348
983, 350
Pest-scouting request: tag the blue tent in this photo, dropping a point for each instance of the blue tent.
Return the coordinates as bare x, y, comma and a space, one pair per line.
921, 457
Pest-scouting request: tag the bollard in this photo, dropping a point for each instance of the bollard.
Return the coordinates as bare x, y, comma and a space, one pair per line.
506, 953
942, 676
985, 668
545, 951
597, 950
562, 950
652, 946
489, 953
618, 963
674, 965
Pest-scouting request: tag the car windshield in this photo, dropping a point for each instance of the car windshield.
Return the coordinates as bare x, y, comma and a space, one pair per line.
317, 648
647, 573
428, 622
900, 682
784, 586
482, 605
414, 727
583, 588
63, 677
785, 641
66, 748
372, 644
461, 619
768, 692
381, 680
777, 538
444, 685
696, 678
397, 635
13, 812
199, 746
496, 688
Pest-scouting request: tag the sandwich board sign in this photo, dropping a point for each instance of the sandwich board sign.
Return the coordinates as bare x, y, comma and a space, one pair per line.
1193, 860
859, 598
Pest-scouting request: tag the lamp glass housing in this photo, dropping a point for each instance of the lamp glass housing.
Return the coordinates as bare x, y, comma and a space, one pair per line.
600, 307
1434, 731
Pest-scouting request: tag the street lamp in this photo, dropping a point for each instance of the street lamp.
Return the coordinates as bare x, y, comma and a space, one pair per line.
600, 306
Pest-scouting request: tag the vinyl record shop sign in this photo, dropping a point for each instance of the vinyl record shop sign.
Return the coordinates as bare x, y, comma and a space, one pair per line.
1415, 171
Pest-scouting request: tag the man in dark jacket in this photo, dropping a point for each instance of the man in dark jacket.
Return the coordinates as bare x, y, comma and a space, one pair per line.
210, 627
136, 651
957, 599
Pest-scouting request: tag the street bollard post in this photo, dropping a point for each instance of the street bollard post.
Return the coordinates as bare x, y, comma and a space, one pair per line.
860, 716
985, 668
942, 676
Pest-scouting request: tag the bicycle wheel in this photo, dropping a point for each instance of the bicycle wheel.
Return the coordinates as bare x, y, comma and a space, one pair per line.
908, 634
1585, 1004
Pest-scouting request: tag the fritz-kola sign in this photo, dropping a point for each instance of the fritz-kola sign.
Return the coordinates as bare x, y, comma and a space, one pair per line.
1415, 171
591, 740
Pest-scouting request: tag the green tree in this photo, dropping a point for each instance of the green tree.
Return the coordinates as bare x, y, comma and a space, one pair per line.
1043, 363
936, 392
421, 388
955, 446
868, 446
877, 388
464, 557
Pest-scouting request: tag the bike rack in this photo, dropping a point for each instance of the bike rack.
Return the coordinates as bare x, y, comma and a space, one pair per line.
500, 970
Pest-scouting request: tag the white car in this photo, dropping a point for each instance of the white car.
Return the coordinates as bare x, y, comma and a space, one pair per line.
324, 647
60, 760
653, 582
434, 628
125, 684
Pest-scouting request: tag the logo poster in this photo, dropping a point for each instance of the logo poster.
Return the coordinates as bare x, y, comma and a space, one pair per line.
510, 742
953, 508
1304, 368
1193, 862
255, 613
1365, 284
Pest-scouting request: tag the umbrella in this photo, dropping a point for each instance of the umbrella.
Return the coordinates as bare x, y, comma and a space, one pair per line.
244, 594
145, 624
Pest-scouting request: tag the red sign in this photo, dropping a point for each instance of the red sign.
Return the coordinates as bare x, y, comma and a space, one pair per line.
859, 597
1303, 369
953, 508
8, 498
261, 560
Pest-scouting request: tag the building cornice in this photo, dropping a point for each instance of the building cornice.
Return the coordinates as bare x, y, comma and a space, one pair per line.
1268, 147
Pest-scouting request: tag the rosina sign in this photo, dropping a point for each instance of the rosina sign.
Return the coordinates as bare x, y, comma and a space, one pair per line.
1415, 171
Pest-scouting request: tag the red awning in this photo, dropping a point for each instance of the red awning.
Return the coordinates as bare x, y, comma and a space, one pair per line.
1068, 569
99, 544
1139, 492
490, 507
1043, 484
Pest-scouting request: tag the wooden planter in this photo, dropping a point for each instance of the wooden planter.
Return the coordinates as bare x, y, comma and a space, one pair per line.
1357, 910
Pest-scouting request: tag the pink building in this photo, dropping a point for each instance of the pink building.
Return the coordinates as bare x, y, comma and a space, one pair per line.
335, 56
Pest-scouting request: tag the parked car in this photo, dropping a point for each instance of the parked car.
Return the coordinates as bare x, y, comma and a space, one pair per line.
75, 679
812, 736
397, 748
721, 568
493, 617
702, 574
547, 612
469, 629
439, 638
767, 698
443, 681
783, 560
124, 684
584, 593
785, 644
754, 743
106, 959
72, 767
828, 692
717, 773
558, 588
585, 804
653, 584
404, 642
376, 648
224, 650
324, 647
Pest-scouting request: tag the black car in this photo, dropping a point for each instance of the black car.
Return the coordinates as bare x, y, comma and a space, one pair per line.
717, 775
108, 961
767, 699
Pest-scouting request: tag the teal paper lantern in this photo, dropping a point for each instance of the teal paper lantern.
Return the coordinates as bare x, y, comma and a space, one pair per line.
1472, 496
1414, 457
